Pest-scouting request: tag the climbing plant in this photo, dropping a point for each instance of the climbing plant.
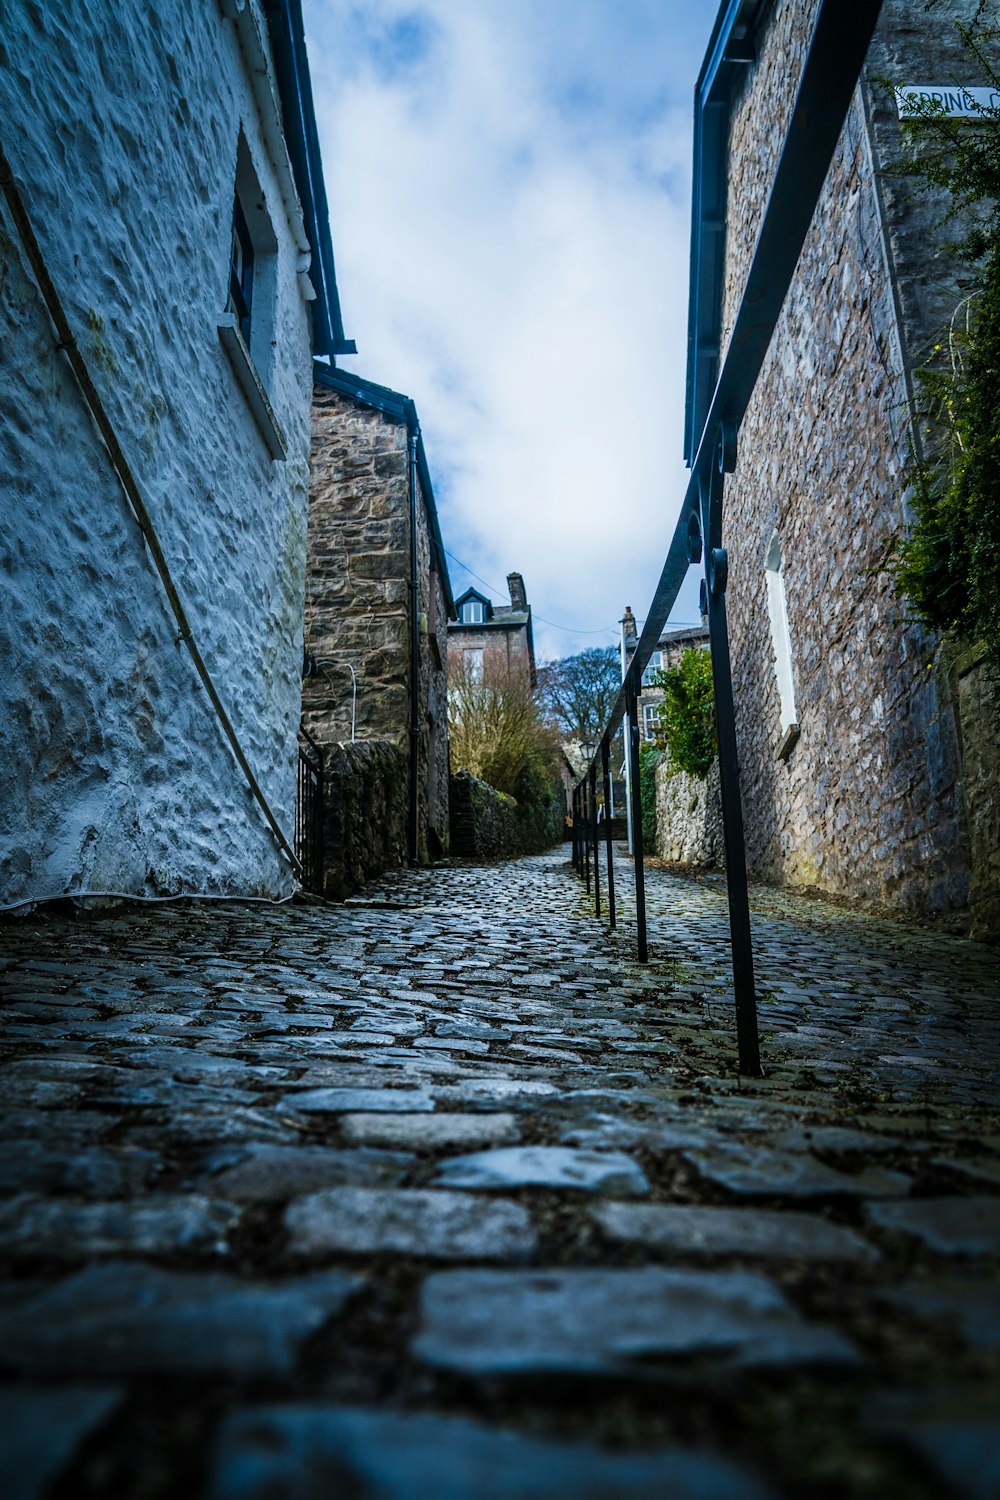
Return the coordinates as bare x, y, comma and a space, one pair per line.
949, 562
687, 717
649, 758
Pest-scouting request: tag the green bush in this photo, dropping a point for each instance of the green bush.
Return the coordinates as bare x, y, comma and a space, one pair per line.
649, 759
687, 717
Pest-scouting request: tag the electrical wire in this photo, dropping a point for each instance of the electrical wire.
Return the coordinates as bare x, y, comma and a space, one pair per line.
494, 589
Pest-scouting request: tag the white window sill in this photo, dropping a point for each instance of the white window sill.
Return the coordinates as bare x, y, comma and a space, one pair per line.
250, 384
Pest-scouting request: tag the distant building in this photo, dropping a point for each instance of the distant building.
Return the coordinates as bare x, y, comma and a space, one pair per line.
377, 612
675, 640
166, 160
502, 634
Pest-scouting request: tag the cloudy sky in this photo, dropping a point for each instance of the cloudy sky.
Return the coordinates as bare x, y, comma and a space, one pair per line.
509, 185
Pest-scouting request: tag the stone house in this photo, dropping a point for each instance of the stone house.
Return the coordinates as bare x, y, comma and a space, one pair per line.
378, 605
167, 278
675, 640
483, 632
861, 748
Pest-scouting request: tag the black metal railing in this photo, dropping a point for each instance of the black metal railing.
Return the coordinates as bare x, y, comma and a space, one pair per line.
830, 74
309, 812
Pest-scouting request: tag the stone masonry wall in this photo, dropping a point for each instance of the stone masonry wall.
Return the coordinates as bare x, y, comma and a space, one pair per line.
689, 816
486, 824
364, 807
357, 599
122, 123
868, 803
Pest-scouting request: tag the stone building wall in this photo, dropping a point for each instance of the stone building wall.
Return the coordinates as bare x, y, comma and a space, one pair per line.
358, 600
504, 638
868, 802
122, 125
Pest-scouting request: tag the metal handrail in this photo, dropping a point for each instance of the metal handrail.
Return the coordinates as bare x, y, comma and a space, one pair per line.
841, 37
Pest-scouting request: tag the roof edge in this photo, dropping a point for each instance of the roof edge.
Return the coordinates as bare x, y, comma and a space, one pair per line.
401, 409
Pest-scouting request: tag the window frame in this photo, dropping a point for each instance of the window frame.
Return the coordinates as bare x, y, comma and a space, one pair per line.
241, 269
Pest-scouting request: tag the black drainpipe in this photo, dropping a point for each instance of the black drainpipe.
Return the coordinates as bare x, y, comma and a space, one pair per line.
414, 656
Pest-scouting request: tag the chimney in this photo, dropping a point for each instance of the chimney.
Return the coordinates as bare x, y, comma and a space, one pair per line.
629, 624
518, 598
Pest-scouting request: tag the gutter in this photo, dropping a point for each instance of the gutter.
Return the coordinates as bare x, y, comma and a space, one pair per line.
414, 810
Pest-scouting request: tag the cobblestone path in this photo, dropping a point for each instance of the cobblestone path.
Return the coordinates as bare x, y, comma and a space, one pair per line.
439, 1196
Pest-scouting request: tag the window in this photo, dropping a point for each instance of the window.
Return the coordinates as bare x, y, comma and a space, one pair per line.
474, 665
654, 665
650, 720
781, 641
247, 326
241, 272
473, 612
253, 265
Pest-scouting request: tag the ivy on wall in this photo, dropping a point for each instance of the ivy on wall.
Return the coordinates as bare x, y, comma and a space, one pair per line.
949, 563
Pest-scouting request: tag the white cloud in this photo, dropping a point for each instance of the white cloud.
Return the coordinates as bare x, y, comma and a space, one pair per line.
509, 191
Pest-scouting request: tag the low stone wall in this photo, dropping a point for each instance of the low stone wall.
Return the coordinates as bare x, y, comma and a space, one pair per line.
689, 816
365, 808
485, 824
978, 698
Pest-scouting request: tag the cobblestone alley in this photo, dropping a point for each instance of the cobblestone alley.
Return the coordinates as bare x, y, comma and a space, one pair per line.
439, 1196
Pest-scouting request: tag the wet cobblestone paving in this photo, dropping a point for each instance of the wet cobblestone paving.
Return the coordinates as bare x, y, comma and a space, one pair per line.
440, 1194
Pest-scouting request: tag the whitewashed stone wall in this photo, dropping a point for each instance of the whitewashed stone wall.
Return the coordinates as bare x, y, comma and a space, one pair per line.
121, 122
869, 801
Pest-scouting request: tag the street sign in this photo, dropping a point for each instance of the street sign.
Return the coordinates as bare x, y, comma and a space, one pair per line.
954, 102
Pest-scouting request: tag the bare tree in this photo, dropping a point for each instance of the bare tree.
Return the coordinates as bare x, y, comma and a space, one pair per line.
496, 730
577, 692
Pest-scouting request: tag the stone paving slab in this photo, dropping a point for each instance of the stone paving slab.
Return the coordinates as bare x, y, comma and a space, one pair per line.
613, 1323
438, 1225
960, 1444
689, 1229
350, 1101
970, 1307
950, 1226
120, 1319
431, 1132
758, 1172
273, 1174
41, 1429
559, 1167
308, 1451
66, 1230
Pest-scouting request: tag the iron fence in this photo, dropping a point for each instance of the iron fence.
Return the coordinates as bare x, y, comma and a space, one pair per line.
841, 36
309, 812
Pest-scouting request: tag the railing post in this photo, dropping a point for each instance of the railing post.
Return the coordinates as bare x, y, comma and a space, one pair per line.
572, 832
593, 835
716, 578
636, 805
606, 770
585, 832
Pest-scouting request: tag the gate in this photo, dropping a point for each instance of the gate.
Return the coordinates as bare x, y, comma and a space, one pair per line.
309, 812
